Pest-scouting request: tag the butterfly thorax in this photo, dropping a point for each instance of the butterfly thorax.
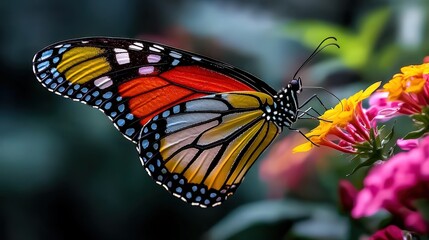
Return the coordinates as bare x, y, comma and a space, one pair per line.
284, 111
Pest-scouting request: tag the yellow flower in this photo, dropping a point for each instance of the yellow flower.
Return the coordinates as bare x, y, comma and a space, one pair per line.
410, 80
407, 93
346, 122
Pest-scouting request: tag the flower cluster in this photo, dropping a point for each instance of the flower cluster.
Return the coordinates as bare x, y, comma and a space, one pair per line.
396, 183
399, 182
410, 89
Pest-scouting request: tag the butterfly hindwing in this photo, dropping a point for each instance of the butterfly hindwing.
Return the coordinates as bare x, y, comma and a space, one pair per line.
201, 149
131, 81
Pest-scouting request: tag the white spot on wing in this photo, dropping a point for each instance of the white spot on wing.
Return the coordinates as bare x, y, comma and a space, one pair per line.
120, 50
146, 70
134, 47
123, 58
154, 49
103, 82
175, 54
159, 47
153, 58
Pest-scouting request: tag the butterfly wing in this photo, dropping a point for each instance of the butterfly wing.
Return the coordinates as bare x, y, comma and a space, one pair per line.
201, 149
131, 81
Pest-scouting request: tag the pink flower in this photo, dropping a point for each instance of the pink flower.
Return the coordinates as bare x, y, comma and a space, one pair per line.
395, 185
407, 144
390, 232
382, 109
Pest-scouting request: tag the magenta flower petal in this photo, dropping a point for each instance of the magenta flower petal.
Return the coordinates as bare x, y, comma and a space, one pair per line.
408, 144
424, 170
416, 222
365, 204
380, 108
395, 185
390, 232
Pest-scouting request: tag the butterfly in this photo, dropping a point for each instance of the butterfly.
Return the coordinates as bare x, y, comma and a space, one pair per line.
198, 124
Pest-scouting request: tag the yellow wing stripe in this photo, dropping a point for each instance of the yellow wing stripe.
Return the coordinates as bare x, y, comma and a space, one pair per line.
248, 99
230, 123
81, 64
273, 132
88, 70
181, 160
77, 55
248, 155
217, 177
266, 136
199, 167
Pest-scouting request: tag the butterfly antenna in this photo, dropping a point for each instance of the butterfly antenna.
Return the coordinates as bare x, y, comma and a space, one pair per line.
318, 49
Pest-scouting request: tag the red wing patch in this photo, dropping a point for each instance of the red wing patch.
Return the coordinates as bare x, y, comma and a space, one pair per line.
131, 80
202, 79
148, 96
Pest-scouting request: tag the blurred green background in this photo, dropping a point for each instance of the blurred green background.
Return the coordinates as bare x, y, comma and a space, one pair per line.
65, 171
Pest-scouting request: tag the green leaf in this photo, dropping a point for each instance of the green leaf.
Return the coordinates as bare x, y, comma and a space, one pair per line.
365, 163
389, 136
419, 118
365, 147
416, 134
422, 123
356, 45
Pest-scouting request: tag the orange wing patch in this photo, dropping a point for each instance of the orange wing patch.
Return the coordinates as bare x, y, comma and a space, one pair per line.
151, 95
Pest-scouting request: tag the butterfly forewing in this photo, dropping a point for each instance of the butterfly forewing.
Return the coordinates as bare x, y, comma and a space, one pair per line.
131, 81
200, 150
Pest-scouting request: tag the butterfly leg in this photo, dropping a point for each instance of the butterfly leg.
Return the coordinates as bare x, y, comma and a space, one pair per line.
311, 98
311, 116
306, 112
297, 130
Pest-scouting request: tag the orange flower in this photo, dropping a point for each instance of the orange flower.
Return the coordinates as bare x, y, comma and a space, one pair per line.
410, 88
343, 127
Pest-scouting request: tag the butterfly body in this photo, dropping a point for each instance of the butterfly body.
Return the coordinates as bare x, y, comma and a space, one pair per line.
198, 124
